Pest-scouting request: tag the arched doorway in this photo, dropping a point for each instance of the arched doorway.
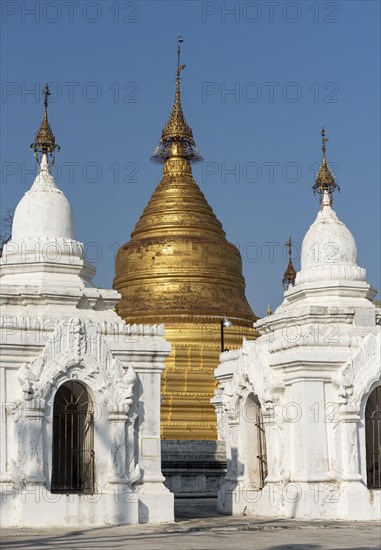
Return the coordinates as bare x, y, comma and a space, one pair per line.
254, 451
373, 439
73, 437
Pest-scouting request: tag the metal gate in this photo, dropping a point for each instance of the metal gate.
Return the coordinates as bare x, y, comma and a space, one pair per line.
262, 455
73, 452
373, 439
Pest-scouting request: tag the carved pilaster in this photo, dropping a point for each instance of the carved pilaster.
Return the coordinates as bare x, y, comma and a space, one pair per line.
118, 418
350, 446
34, 415
12, 444
133, 468
217, 402
232, 466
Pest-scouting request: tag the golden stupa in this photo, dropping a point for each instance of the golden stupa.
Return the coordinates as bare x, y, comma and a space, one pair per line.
179, 269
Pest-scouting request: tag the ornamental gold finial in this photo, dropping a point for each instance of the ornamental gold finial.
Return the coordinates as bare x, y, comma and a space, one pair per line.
180, 68
46, 95
45, 141
325, 182
290, 273
323, 141
177, 136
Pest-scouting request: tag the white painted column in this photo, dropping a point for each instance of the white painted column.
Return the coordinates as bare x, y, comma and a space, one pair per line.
118, 418
149, 391
34, 415
6, 409
156, 502
305, 413
350, 446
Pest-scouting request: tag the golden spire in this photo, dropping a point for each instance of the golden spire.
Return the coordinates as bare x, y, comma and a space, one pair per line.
45, 141
177, 136
179, 269
325, 180
290, 273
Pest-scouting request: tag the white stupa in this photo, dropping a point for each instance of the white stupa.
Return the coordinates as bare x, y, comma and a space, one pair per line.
300, 408
80, 389
43, 249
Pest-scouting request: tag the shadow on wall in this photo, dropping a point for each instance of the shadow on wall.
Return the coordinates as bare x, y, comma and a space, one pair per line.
241, 492
194, 470
244, 484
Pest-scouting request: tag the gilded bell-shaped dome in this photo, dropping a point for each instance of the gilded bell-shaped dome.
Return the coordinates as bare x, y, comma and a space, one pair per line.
179, 269
178, 261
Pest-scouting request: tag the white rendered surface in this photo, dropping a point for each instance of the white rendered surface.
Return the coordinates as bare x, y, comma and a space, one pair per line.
44, 211
56, 326
312, 370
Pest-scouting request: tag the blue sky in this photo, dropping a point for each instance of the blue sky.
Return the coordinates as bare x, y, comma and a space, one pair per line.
290, 67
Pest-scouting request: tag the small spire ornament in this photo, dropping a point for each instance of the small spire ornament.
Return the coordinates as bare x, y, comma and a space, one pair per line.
325, 182
290, 273
44, 140
177, 136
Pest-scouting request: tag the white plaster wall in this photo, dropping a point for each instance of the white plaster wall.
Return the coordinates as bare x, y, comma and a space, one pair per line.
50, 314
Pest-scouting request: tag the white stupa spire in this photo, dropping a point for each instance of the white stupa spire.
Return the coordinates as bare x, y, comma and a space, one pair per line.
44, 211
44, 178
329, 265
325, 201
43, 226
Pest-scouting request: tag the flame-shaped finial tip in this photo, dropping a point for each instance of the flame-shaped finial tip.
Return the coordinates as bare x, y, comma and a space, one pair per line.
323, 141
290, 273
325, 182
177, 136
45, 141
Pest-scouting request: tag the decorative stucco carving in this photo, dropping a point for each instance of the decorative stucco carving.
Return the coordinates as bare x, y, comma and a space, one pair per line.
251, 375
356, 376
117, 328
77, 349
265, 384
320, 333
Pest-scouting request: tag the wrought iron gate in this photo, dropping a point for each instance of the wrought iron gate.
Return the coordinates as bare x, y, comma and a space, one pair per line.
262, 455
73, 448
373, 438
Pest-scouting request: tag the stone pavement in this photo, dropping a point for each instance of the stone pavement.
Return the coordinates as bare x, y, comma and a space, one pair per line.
208, 533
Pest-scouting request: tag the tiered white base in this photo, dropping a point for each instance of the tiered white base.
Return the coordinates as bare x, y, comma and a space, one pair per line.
328, 500
156, 504
35, 506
